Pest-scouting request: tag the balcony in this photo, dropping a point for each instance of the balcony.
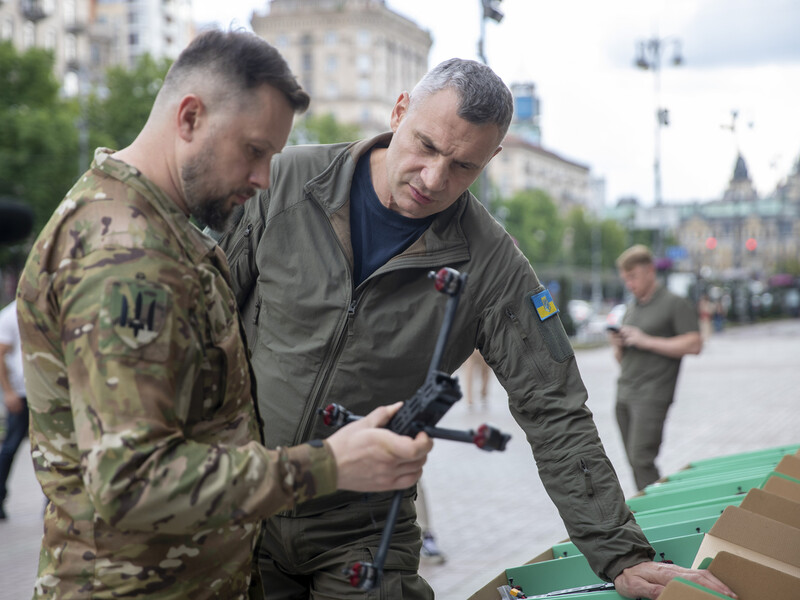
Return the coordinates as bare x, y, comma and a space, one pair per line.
36, 10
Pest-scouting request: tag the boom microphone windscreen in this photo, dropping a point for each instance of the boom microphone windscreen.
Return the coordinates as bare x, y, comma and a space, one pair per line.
16, 221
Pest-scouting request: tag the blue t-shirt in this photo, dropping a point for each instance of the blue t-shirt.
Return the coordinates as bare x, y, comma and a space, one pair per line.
376, 232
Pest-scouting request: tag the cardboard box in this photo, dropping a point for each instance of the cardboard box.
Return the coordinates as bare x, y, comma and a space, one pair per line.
681, 589
789, 465
489, 591
772, 506
783, 485
753, 581
754, 537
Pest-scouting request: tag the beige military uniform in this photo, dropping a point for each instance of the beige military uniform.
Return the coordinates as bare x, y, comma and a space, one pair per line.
143, 429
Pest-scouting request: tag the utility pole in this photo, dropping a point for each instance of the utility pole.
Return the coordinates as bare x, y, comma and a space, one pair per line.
648, 58
490, 11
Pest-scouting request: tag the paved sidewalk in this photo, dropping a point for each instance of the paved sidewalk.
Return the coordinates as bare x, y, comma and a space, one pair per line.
489, 510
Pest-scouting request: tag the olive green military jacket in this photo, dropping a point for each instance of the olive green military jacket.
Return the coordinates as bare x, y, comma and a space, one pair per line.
144, 433
315, 339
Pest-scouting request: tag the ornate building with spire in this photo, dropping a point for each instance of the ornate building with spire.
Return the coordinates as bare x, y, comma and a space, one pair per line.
742, 235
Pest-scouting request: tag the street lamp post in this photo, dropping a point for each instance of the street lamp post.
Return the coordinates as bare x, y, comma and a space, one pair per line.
648, 58
491, 11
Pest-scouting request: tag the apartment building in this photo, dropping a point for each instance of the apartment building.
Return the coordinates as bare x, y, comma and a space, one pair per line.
353, 56
60, 26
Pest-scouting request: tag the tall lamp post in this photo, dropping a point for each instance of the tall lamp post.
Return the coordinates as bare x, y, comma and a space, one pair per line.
648, 58
490, 11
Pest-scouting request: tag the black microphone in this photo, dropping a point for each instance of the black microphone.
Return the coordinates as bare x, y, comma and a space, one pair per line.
16, 221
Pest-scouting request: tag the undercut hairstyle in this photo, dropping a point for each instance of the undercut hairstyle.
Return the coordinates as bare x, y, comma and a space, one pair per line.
633, 256
234, 62
483, 97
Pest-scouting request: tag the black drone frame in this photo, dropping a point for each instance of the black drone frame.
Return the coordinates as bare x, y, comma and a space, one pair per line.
421, 413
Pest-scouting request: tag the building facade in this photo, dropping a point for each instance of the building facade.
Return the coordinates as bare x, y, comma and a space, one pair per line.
124, 30
61, 26
353, 56
736, 237
742, 235
88, 36
523, 165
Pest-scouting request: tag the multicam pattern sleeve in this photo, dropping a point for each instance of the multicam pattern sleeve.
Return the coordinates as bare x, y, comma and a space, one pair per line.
144, 432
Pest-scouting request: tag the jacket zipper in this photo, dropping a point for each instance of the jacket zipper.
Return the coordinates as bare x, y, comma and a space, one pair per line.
523, 337
240, 243
589, 487
320, 392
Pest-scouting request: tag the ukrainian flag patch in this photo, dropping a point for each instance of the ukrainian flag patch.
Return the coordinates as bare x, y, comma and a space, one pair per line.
544, 305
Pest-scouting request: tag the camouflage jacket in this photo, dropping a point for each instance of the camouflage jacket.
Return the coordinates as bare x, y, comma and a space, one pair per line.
144, 433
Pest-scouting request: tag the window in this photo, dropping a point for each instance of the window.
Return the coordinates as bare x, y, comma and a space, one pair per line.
331, 38
70, 47
308, 62
7, 32
95, 55
69, 12
28, 35
363, 38
363, 63
364, 88
50, 39
331, 63
282, 41
332, 90
133, 39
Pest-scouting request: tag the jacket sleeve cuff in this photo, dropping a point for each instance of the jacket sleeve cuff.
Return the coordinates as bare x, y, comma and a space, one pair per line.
616, 567
307, 471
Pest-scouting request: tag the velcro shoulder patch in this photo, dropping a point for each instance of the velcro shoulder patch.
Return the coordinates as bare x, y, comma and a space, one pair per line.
133, 315
544, 305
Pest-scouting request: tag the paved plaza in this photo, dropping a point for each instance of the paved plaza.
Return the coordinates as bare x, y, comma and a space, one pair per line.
489, 510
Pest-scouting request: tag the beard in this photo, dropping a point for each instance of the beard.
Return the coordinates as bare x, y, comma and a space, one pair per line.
206, 202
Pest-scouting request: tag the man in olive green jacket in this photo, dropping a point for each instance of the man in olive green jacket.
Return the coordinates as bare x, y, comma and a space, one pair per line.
330, 266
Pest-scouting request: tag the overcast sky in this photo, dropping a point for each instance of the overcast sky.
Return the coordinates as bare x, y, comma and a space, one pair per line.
599, 110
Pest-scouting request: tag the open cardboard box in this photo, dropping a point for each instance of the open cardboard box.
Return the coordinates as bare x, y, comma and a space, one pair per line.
786, 489
489, 591
681, 589
754, 537
772, 506
754, 581
789, 465
783, 485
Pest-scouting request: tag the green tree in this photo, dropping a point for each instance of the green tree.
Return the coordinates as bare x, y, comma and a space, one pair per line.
588, 232
38, 136
117, 113
612, 242
322, 129
532, 218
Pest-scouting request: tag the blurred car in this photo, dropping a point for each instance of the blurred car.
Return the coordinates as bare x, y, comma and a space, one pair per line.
614, 317
580, 312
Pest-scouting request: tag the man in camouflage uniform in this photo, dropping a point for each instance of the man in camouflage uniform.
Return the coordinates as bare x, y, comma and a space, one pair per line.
144, 433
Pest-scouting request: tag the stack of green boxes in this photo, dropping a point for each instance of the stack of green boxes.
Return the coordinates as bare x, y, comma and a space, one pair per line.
674, 514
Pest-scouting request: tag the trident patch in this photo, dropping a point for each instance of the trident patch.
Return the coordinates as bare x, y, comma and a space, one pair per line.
138, 311
544, 305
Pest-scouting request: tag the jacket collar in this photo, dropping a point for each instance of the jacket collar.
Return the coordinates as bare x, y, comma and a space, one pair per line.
195, 243
331, 190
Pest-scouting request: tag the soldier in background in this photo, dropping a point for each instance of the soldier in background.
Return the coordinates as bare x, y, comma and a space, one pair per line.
144, 433
658, 330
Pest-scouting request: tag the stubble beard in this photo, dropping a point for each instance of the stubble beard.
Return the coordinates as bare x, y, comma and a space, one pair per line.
206, 204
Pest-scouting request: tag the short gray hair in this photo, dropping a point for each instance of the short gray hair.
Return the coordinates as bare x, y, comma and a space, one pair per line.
483, 97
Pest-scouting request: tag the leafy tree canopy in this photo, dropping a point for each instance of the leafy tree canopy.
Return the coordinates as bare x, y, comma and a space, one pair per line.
118, 111
322, 129
38, 136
